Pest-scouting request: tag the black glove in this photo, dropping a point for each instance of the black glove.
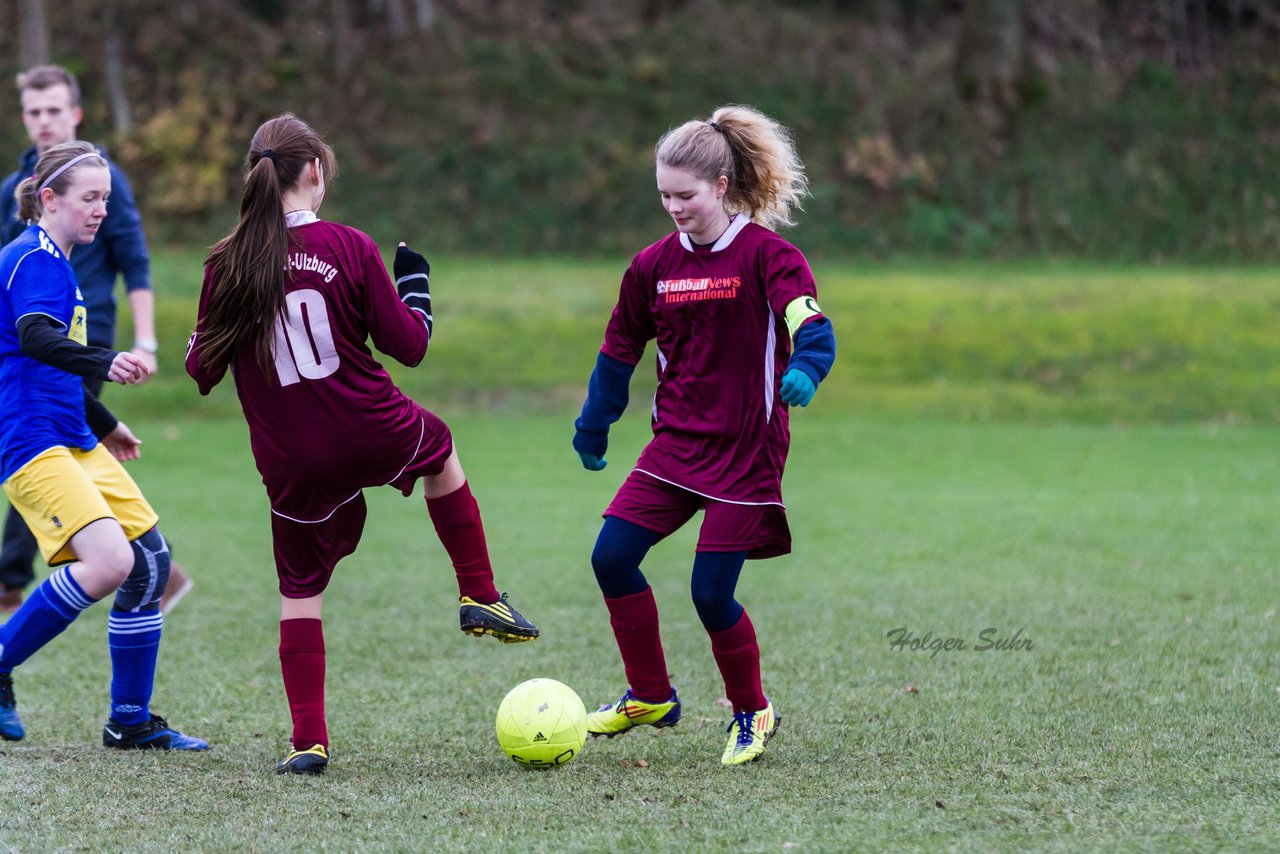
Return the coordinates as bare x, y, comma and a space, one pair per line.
413, 282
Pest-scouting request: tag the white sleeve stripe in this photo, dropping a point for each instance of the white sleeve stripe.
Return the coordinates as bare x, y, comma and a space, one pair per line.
9, 283
423, 313
770, 348
415, 294
413, 276
61, 325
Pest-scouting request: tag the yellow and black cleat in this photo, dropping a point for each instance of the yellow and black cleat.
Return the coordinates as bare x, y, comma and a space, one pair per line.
498, 619
313, 760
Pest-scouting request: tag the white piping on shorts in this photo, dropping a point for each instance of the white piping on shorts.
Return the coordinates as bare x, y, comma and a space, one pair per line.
422, 432
712, 497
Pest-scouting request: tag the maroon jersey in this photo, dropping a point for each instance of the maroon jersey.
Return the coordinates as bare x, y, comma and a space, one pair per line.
717, 313
325, 420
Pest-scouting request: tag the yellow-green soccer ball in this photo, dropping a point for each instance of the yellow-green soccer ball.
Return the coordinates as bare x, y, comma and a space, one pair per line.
542, 724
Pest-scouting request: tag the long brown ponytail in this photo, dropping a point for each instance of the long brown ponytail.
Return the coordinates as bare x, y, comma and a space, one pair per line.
250, 264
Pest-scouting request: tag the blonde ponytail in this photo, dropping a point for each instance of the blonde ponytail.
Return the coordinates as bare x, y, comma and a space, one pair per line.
755, 153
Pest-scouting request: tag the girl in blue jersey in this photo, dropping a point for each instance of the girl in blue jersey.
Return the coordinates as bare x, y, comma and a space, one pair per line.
59, 460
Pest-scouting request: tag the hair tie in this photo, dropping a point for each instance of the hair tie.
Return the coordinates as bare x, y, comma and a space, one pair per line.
714, 126
267, 154
63, 168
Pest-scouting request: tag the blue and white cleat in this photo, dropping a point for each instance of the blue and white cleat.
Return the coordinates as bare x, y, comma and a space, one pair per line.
154, 734
10, 724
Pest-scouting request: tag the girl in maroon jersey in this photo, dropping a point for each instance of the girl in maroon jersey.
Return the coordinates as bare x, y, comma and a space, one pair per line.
289, 302
732, 309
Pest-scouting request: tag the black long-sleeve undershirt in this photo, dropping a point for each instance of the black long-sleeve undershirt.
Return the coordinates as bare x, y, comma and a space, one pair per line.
97, 416
42, 338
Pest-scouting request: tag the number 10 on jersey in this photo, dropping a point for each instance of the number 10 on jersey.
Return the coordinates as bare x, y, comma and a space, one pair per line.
304, 347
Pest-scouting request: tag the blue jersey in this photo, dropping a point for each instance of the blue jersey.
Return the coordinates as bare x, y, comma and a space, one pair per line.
41, 407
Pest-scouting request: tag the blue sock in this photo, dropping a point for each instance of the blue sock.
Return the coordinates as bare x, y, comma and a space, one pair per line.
715, 577
51, 608
134, 638
616, 558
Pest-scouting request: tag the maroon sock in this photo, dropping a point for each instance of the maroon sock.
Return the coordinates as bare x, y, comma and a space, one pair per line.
738, 656
635, 624
457, 520
302, 663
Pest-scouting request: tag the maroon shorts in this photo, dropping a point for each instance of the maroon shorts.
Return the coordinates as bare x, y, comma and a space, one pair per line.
433, 452
307, 552
760, 530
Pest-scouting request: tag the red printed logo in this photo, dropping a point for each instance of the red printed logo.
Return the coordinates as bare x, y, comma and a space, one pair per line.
692, 290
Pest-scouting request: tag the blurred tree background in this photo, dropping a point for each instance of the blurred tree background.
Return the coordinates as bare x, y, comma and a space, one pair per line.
1110, 129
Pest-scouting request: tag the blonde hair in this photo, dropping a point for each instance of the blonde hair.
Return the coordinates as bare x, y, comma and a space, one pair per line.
51, 163
755, 153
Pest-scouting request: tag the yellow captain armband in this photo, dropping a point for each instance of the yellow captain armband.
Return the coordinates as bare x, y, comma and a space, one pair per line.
798, 311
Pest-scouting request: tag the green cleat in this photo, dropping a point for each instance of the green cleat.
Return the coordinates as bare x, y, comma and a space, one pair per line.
616, 718
313, 760
498, 619
749, 732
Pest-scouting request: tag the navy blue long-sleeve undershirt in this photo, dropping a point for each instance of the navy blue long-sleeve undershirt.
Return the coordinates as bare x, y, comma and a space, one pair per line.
607, 391
814, 350
607, 394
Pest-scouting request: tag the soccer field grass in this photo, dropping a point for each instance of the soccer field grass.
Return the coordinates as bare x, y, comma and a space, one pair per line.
1044, 342
1138, 563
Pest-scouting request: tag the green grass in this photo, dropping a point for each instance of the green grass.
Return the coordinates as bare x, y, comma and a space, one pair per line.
1138, 560
971, 342
1077, 456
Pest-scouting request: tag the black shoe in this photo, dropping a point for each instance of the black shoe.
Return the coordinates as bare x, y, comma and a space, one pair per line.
154, 734
10, 724
313, 760
499, 619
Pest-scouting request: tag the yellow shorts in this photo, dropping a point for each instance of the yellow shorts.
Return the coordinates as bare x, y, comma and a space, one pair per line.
64, 489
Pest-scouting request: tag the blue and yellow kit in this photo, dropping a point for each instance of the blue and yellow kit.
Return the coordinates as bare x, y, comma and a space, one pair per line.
42, 406
54, 471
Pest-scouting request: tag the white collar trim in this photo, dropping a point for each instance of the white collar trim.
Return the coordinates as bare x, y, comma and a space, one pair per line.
295, 218
736, 224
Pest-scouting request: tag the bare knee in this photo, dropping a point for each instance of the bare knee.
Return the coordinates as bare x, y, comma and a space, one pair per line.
104, 557
111, 563
449, 480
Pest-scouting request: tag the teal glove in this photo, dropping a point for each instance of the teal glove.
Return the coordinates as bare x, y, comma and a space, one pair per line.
591, 445
591, 462
797, 388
